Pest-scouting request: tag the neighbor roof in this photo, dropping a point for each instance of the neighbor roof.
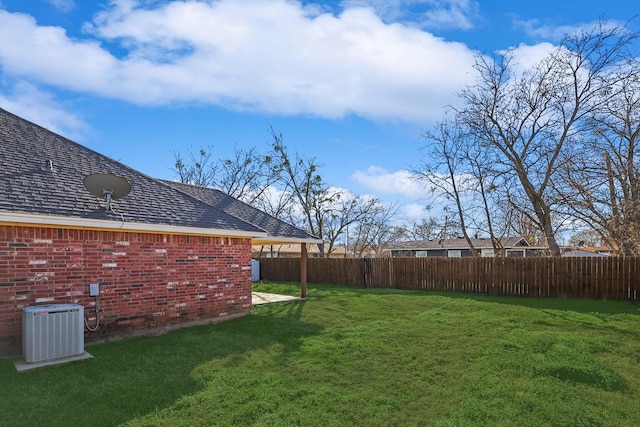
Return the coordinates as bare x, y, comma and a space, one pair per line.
32, 192
482, 243
581, 253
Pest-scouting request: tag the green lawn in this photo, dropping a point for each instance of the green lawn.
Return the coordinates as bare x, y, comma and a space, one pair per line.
356, 357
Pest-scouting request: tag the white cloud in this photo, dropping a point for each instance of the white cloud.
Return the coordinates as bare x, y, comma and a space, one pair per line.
63, 5
459, 14
274, 57
47, 55
415, 211
449, 14
25, 100
536, 29
381, 181
527, 57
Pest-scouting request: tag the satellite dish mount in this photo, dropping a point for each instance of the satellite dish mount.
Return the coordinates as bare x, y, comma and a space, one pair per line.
108, 195
108, 187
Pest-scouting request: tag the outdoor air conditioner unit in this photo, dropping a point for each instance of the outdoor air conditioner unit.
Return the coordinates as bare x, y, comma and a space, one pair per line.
52, 332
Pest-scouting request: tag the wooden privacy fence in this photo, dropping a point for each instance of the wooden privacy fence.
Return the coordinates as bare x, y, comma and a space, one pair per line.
610, 278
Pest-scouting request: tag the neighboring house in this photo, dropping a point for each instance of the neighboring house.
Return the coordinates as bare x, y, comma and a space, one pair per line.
602, 250
293, 251
583, 253
456, 248
166, 255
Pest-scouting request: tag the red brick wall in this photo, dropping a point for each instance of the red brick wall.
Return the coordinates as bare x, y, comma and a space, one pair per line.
146, 280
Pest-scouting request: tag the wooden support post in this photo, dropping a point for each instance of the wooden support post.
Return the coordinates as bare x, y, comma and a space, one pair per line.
303, 270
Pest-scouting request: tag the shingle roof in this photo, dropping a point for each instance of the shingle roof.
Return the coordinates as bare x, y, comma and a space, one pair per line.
506, 242
27, 187
239, 209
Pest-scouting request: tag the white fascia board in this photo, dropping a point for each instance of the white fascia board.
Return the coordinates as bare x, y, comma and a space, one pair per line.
74, 222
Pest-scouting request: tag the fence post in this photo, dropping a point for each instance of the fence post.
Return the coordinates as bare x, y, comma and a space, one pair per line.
365, 271
303, 270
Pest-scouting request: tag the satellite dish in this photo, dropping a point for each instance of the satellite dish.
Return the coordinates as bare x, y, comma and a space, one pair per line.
107, 186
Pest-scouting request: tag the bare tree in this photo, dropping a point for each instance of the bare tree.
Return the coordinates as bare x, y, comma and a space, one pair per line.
300, 176
428, 229
199, 169
286, 186
375, 228
347, 210
490, 191
325, 211
246, 175
526, 119
586, 237
601, 179
445, 170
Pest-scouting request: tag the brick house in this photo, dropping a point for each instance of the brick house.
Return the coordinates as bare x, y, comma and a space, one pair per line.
166, 255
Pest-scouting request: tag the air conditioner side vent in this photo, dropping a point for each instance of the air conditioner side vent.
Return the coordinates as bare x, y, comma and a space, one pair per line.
52, 332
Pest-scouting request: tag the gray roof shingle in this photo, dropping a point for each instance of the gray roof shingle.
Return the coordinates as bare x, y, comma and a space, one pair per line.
246, 212
26, 186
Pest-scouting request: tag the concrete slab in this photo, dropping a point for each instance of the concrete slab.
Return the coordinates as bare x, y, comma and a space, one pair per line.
266, 298
22, 366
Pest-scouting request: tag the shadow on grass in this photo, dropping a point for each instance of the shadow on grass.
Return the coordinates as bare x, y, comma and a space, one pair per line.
134, 377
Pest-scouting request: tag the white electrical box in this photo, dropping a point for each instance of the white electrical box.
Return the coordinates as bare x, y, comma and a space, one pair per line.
94, 289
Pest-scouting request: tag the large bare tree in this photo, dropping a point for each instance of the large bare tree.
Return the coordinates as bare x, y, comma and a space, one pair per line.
601, 180
527, 118
324, 211
289, 187
300, 176
459, 172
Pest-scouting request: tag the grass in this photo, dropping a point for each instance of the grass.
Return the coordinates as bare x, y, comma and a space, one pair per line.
356, 357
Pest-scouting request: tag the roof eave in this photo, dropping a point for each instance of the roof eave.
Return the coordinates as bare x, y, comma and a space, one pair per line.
38, 220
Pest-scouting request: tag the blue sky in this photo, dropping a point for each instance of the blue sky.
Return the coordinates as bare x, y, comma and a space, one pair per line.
352, 83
